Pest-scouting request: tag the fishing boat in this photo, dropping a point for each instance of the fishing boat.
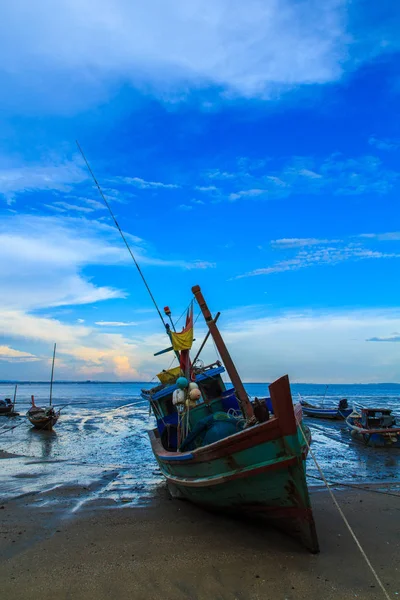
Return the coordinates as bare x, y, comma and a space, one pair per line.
374, 427
339, 412
212, 445
219, 450
44, 418
6, 406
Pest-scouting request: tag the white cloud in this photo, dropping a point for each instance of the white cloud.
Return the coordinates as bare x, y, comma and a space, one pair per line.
116, 323
58, 176
335, 174
391, 236
11, 355
252, 193
185, 207
206, 188
247, 49
143, 184
316, 346
49, 253
300, 242
74, 207
395, 337
311, 346
329, 255
384, 144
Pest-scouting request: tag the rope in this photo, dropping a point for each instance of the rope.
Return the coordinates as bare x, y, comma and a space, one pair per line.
184, 312
120, 231
10, 428
375, 574
355, 486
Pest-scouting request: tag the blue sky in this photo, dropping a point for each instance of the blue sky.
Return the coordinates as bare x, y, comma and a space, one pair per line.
252, 148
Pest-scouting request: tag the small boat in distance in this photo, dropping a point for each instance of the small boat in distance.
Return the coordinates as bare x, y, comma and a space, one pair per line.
374, 427
44, 418
219, 450
339, 412
6, 406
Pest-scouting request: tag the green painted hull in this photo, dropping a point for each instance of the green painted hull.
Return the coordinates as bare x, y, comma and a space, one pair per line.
257, 470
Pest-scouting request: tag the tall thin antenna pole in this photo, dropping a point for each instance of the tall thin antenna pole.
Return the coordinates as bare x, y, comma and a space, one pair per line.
323, 400
120, 231
52, 374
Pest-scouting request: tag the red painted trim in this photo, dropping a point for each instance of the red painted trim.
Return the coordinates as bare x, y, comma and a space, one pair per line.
282, 404
395, 431
253, 436
239, 474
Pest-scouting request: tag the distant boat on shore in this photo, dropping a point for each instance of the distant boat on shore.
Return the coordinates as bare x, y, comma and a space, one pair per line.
375, 427
6, 406
339, 412
44, 418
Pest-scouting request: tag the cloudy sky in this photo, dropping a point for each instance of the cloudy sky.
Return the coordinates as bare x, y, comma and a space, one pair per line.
252, 148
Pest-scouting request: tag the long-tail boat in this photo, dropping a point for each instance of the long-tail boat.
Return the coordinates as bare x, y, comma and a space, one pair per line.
375, 427
223, 452
6, 406
340, 412
44, 418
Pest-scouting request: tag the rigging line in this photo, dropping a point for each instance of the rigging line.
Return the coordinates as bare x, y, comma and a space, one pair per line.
354, 486
185, 311
349, 527
120, 231
7, 429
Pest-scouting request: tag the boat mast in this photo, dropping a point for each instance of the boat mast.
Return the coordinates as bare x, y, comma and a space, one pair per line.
52, 374
223, 351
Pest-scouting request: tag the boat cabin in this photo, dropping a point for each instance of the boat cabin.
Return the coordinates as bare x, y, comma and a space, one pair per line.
377, 418
215, 398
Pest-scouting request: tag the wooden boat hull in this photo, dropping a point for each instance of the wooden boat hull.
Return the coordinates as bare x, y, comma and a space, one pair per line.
326, 413
45, 424
260, 469
6, 410
386, 438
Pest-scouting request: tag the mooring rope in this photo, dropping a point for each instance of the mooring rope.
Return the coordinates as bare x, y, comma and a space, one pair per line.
355, 486
375, 574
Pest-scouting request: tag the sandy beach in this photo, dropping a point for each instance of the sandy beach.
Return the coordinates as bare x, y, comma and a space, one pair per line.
174, 550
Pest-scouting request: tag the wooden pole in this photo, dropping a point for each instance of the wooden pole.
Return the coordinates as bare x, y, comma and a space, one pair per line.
15, 396
205, 339
323, 400
223, 351
52, 374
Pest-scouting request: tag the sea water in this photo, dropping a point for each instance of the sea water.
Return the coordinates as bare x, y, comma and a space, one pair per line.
101, 442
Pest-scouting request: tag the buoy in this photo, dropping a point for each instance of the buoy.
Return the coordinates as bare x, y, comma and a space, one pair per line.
178, 397
193, 386
182, 383
194, 394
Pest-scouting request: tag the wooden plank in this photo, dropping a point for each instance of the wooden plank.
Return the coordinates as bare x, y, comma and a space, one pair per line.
282, 405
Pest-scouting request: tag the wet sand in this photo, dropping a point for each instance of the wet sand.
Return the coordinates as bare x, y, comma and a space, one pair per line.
174, 550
